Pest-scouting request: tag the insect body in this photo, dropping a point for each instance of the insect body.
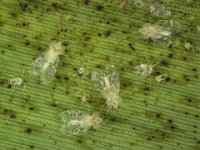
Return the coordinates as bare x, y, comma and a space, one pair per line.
109, 86
162, 31
77, 122
45, 65
122, 4
144, 70
189, 47
154, 32
161, 77
15, 82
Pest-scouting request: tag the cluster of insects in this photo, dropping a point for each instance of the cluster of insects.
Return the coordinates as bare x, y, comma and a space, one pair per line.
106, 82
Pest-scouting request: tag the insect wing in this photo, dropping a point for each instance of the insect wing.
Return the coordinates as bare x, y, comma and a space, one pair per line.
37, 65
67, 128
170, 25
113, 75
98, 81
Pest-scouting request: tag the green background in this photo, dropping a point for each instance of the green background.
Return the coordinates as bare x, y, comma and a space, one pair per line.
152, 115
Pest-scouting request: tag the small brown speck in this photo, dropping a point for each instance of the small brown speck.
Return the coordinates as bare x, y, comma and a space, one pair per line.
28, 130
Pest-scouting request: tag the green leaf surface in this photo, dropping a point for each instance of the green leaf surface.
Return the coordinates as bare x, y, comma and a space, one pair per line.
152, 115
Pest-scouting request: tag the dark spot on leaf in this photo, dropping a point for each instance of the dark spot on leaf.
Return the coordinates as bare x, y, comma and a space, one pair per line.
146, 88
186, 77
27, 43
9, 86
108, 33
107, 58
66, 78
131, 47
14, 15
184, 58
198, 142
189, 100
126, 83
86, 2
113, 119
54, 104
194, 69
87, 38
130, 63
75, 69
31, 108
164, 63
13, 116
100, 8
195, 126
56, 5
99, 66
170, 55
5, 110
28, 130
168, 79
58, 77
48, 9
158, 115
172, 127
23, 6
80, 141
163, 134
157, 72
24, 24
31, 146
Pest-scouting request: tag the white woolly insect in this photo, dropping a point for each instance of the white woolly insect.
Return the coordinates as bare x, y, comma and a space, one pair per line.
154, 32
81, 71
122, 4
45, 65
161, 77
77, 122
84, 98
109, 86
15, 82
189, 47
162, 31
155, 7
160, 10
144, 70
